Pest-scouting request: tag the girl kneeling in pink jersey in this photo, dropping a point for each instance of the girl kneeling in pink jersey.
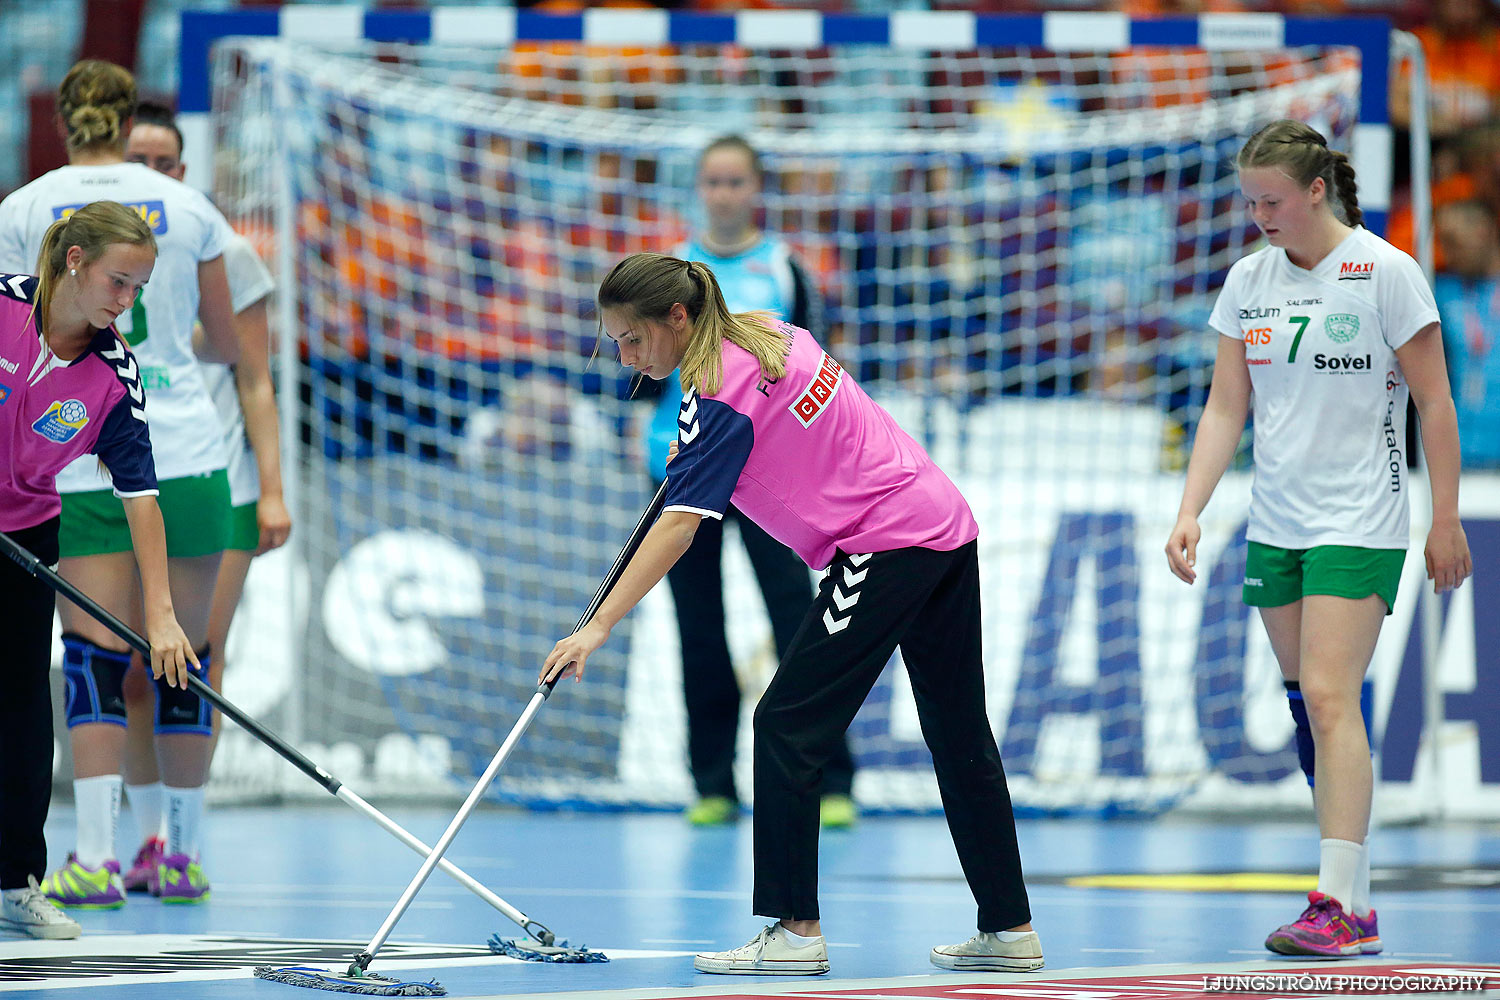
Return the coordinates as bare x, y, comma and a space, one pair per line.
68, 387
771, 423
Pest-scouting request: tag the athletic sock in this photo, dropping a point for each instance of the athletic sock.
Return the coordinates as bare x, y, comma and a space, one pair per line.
184, 812
145, 806
98, 805
1337, 862
1010, 936
1359, 903
798, 940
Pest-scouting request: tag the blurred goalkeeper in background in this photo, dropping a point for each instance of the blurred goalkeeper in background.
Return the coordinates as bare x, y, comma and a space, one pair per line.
756, 271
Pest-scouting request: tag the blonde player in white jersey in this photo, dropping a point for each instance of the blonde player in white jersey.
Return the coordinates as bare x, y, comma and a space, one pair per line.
245, 398
1327, 329
95, 104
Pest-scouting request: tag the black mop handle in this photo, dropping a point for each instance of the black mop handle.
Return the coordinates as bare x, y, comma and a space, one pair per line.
34, 566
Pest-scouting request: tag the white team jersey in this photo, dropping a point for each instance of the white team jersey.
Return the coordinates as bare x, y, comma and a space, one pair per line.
185, 438
249, 282
1329, 395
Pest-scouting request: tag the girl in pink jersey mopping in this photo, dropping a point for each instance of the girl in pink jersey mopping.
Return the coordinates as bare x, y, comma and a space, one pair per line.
68, 387
1327, 329
774, 425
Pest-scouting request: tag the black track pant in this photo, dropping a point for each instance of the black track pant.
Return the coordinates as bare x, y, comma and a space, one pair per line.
26, 606
926, 602
709, 688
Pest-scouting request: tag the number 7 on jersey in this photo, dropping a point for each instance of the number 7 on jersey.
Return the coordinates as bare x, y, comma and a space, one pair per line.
1301, 322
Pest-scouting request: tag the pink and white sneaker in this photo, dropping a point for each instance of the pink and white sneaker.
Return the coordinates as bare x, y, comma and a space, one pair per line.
142, 876
1323, 929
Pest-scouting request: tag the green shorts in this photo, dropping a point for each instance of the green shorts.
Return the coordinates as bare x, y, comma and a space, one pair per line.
195, 510
1276, 576
244, 528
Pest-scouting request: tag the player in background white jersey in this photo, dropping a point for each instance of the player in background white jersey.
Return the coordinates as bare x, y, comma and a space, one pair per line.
1326, 329
245, 398
95, 103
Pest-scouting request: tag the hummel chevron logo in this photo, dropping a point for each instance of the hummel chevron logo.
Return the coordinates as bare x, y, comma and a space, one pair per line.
14, 282
130, 377
844, 601
687, 418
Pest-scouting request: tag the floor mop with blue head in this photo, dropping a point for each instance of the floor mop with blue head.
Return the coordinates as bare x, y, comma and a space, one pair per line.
358, 978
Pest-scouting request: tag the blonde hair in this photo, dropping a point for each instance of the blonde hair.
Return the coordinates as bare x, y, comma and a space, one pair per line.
645, 286
1300, 151
95, 100
92, 228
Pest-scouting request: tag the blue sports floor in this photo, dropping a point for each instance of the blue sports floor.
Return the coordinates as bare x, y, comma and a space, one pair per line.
1138, 899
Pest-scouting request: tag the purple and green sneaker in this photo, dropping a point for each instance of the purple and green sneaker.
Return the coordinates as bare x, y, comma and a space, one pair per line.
78, 886
181, 880
1369, 933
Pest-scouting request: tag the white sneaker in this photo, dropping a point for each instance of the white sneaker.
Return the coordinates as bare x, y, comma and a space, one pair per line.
985, 951
768, 954
30, 912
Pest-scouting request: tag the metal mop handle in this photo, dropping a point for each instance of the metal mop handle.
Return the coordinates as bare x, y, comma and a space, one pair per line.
362, 961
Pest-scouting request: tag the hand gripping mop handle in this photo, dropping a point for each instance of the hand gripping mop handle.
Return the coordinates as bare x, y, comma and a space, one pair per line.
35, 567
362, 961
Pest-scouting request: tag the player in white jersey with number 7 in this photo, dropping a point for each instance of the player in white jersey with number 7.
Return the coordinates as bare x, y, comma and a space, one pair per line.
96, 102
1327, 329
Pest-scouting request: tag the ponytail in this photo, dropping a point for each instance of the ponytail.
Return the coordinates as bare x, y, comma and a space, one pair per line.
1347, 189
648, 285
1301, 152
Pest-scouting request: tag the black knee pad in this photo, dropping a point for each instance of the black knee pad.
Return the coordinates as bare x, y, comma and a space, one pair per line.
181, 710
94, 678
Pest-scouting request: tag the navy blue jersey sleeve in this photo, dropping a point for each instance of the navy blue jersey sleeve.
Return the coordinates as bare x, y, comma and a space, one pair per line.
125, 447
714, 441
